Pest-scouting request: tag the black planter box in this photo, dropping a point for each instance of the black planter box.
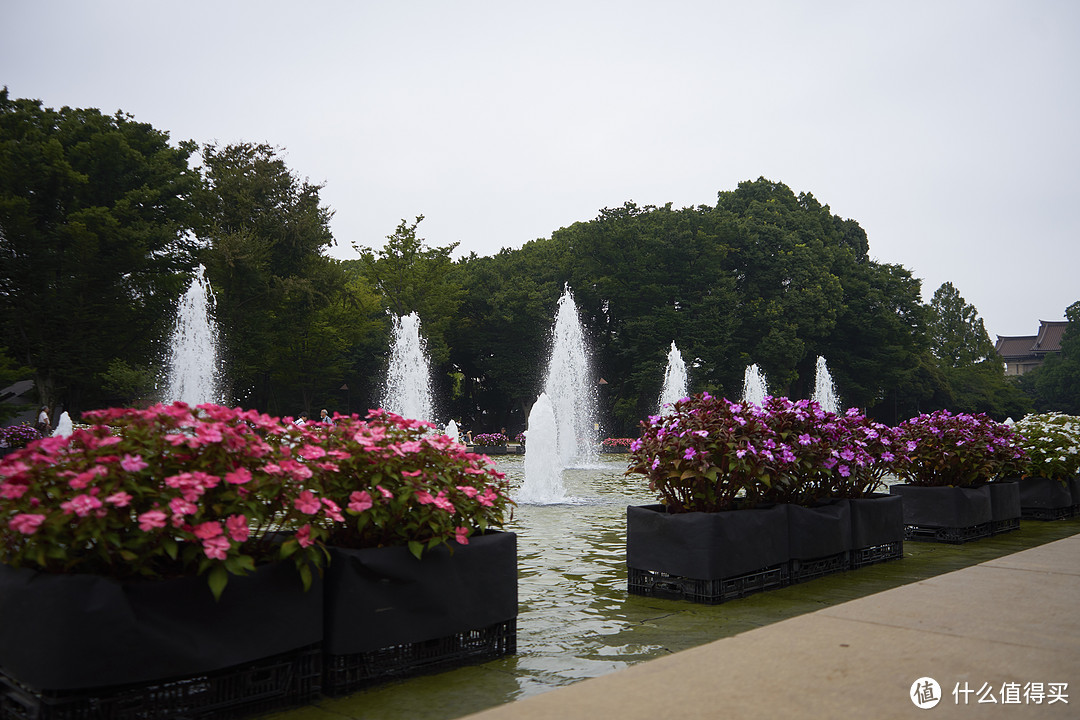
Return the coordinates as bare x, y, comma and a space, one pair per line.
877, 529
67, 632
1004, 506
1046, 499
490, 449
263, 686
388, 613
706, 557
945, 514
819, 539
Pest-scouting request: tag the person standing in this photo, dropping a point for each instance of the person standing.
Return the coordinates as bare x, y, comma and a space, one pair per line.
324, 417
44, 426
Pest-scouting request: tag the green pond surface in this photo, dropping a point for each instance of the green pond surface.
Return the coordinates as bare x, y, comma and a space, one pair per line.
577, 621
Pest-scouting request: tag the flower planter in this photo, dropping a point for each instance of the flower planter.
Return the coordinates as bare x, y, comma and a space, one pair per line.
706, 557
1046, 499
490, 449
389, 614
1004, 506
819, 539
614, 450
164, 647
945, 514
877, 529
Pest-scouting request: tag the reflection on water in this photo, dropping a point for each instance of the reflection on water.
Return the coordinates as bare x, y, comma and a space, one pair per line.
572, 576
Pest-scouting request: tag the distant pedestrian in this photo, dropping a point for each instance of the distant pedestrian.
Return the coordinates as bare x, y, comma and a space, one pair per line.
324, 417
43, 425
301, 421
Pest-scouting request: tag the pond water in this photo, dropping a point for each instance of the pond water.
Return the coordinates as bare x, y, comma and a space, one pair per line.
577, 621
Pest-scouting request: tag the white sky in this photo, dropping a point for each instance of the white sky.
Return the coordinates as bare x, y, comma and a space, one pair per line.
949, 130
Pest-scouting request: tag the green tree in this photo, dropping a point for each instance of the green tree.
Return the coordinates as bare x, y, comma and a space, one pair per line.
266, 230
94, 241
966, 358
1056, 383
413, 277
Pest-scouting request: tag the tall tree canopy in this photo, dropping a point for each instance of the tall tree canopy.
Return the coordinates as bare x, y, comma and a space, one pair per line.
973, 372
1056, 383
266, 230
94, 240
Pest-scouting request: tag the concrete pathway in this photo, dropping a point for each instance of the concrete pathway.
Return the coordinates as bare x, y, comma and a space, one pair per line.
1007, 629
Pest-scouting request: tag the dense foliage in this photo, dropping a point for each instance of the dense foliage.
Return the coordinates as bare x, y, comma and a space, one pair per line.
102, 221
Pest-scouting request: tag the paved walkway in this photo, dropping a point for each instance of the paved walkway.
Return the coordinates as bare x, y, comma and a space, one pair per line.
998, 629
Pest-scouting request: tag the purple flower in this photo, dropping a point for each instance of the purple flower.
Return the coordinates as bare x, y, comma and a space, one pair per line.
689, 454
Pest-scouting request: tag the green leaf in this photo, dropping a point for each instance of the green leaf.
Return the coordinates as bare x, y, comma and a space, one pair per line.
218, 578
170, 547
416, 548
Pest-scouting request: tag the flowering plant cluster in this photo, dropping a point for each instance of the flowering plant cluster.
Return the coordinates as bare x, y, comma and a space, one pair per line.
616, 442
1051, 444
155, 493
388, 481
18, 436
519, 438
710, 454
490, 439
961, 450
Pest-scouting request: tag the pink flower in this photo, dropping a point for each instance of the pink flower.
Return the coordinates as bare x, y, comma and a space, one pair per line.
469, 490
311, 452
181, 507
385, 493
332, 510
133, 463
359, 501
307, 503
443, 503
689, 454
412, 473
489, 496
81, 505
239, 476
303, 536
119, 499
26, 523
237, 526
152, 519
424, 497
461, 534
216, 548
207, 530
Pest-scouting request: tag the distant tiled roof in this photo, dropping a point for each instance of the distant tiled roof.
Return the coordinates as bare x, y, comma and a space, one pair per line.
1049, 338
1015, 347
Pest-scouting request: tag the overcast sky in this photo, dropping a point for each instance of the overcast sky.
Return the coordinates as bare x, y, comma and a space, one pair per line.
949, 130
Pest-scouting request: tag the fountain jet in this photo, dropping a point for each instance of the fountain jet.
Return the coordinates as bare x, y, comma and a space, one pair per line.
194, 373
754, 388
408, 386
675, 382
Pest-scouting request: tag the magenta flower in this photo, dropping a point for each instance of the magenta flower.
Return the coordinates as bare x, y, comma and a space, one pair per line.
207, 530
360, 500
307, 503
26, 523
303, 536
151, 520
689, 454
237, 526
239, 476
332, 510
81, 505
443, 503
469, 490
119, 499
133, 463
461, 534
216, 548
424, 497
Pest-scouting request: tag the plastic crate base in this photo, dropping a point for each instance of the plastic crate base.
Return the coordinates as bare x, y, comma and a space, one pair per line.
1003, 526
263, 686
709, 592
1037, 513
951, 535
806, 570
344, 674
861, 557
